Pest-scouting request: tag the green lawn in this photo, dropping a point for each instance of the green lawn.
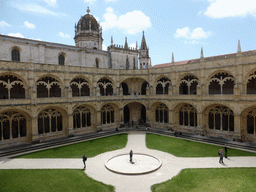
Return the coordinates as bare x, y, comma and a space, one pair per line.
210, 180
89, 148
48, 180
185, 148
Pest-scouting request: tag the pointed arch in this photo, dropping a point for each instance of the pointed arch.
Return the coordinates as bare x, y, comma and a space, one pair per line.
188, 85
106, 86
221, 83
80, 87
12, 87
48, 86
162, 86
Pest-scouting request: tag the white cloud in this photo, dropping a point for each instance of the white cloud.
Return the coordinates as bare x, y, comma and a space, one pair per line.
33, 7
51, 3
133, 45
131, 22
104, 47
16, 35
29, 25
4, 24
231, 8
36, 39
197, 33
183, 33
63, 35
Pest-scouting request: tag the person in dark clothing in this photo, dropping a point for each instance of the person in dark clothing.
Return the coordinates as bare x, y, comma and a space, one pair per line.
226, 151
221, 156
131, 154
84, 159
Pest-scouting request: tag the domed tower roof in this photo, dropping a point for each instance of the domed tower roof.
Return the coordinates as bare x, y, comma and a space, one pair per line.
86, 21
88, 32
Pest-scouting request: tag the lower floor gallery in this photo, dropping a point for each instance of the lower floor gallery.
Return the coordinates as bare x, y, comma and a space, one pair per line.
48, 121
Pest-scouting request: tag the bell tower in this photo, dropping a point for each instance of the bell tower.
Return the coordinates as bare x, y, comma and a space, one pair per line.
145, 62
88, 33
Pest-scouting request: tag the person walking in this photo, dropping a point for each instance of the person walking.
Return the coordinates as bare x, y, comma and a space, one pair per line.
226, 151
84, 159
131, 154
221, 156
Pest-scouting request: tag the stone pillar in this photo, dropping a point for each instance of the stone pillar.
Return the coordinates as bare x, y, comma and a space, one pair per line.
170, 118
237, 128
98, 119
170, 92
174, 91
34, 131
121, 116
70, 127
121, 91
117, 91
147, 90
199, 90
199, 127
97, 91
65, 93
148, 116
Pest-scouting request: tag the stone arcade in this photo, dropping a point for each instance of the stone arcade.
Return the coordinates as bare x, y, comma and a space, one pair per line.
50, 90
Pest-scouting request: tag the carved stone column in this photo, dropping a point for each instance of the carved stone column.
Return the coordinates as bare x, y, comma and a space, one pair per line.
199, 127
237, 128
99, 127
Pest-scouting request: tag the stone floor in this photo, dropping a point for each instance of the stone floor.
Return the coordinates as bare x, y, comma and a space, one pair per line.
96, 169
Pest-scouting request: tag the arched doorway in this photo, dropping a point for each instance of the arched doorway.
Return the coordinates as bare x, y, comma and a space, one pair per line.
135, 112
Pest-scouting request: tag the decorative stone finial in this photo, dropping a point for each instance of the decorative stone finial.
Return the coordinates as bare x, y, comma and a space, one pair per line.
172, 59
239, 47
88, 10
111, 40
202, 54
126, 44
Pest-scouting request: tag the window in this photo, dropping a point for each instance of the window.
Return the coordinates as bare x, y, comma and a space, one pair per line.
221, 118
81, 118
15, 55
61, 59
97, 63
188, 116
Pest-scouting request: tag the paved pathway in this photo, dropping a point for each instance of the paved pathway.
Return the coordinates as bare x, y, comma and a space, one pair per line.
171, 165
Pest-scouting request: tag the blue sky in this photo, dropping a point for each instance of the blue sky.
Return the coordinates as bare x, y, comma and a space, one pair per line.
181, 27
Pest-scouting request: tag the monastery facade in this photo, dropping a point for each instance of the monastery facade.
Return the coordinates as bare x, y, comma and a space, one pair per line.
50, 90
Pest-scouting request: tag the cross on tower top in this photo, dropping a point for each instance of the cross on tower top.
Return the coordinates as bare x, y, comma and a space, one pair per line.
88, 10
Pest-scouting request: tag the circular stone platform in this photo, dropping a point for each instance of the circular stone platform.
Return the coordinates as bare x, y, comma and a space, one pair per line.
142, 164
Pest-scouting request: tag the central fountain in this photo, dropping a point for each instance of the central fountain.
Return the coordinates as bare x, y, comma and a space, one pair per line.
140, 164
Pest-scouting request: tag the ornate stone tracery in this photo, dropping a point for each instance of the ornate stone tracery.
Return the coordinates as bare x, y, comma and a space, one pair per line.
48, 87
81, 117
188, 85
251, 84
107, 115
106, 87
162, 86
221, 83
221, 118
11, 87
162, 114
188, 116
49, 121
80, 87
12, 125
